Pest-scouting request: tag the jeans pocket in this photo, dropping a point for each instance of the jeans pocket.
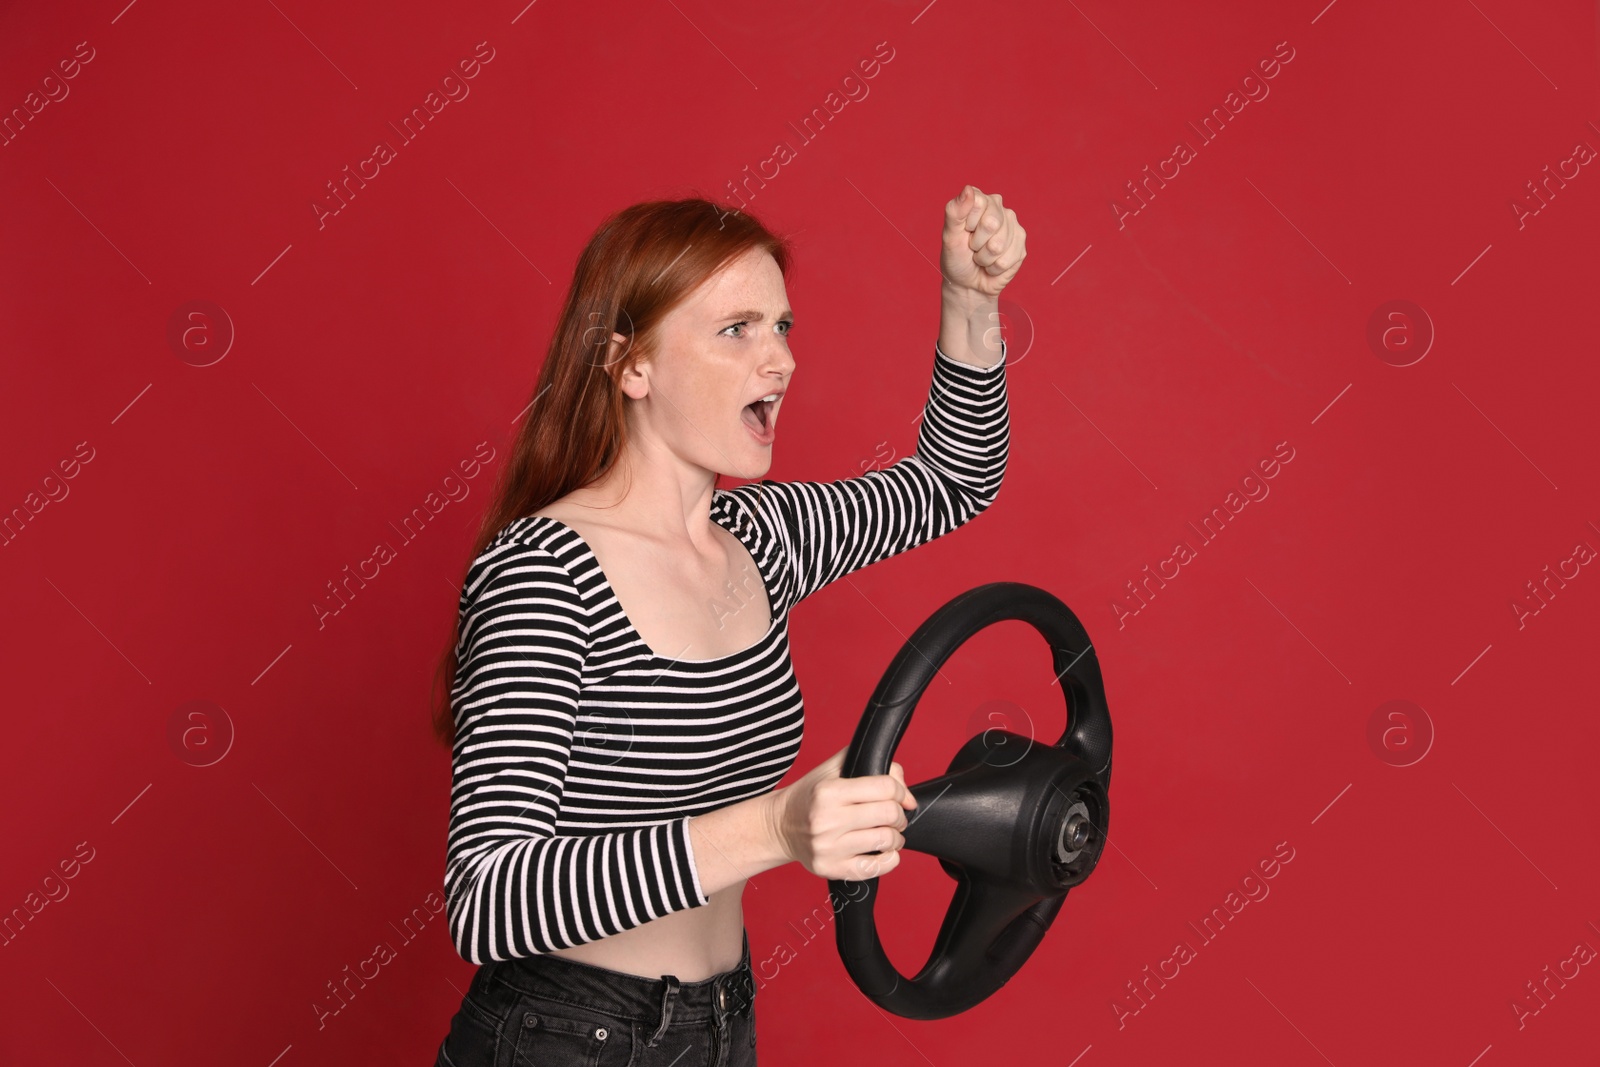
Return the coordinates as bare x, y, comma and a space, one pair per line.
553, 1033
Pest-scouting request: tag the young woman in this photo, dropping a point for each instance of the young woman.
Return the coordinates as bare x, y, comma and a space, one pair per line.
623, 702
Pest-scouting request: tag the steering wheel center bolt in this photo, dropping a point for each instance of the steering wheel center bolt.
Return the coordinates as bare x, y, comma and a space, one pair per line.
1074, 837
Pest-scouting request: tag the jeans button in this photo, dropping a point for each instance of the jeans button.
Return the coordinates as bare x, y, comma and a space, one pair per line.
722, 997
601, 1033
530, 1019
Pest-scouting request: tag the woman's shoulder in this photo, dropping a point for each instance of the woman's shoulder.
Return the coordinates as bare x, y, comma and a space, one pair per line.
528, 557
528, 531
542, 533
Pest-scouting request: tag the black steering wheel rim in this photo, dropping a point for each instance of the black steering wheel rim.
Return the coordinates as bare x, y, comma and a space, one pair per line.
1016, 836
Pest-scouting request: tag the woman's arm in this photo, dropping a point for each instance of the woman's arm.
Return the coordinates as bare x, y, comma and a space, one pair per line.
969, 326
512, 886
738, 841
983, 247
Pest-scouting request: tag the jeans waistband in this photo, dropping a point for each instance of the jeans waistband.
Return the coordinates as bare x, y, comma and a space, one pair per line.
651, 1001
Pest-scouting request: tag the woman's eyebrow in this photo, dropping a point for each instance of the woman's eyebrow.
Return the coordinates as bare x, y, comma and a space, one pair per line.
753, 316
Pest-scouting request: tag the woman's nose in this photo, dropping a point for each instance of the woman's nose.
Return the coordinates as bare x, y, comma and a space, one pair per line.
778, 356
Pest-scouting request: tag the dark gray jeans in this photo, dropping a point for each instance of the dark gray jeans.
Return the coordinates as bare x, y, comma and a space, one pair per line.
547, 1011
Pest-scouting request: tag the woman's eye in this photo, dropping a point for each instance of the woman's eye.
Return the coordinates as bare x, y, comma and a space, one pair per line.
785, 323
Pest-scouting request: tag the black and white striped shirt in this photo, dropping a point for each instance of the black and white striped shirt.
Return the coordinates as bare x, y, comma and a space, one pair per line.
581, 755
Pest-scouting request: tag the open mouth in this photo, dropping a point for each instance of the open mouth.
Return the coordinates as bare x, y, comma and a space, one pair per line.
758, 416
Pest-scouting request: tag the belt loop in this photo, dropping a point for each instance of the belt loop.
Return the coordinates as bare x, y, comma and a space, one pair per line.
666, 1007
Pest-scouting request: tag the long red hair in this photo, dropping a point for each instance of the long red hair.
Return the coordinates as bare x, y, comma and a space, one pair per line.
642, 262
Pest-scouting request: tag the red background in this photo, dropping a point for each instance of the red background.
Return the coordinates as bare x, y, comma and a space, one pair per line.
374, 353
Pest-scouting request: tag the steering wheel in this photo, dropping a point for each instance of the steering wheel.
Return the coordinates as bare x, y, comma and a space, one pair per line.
1015, 832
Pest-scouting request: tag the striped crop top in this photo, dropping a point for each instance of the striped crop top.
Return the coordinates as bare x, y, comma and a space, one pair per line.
581, 755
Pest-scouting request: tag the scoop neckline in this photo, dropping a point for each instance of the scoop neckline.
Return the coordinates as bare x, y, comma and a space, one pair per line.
638, 638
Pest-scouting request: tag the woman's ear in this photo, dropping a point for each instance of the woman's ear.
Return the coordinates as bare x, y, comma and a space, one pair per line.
634, 384
633, 379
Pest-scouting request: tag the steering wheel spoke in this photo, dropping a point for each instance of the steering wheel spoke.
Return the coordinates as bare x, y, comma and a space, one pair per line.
981, 911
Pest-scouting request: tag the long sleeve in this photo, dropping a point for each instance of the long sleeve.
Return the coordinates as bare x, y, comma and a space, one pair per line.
512, 886
837, 527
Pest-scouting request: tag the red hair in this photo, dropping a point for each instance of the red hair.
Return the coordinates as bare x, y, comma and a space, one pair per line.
641, 262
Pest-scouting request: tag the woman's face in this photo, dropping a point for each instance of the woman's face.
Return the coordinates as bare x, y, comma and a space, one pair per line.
722, 348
